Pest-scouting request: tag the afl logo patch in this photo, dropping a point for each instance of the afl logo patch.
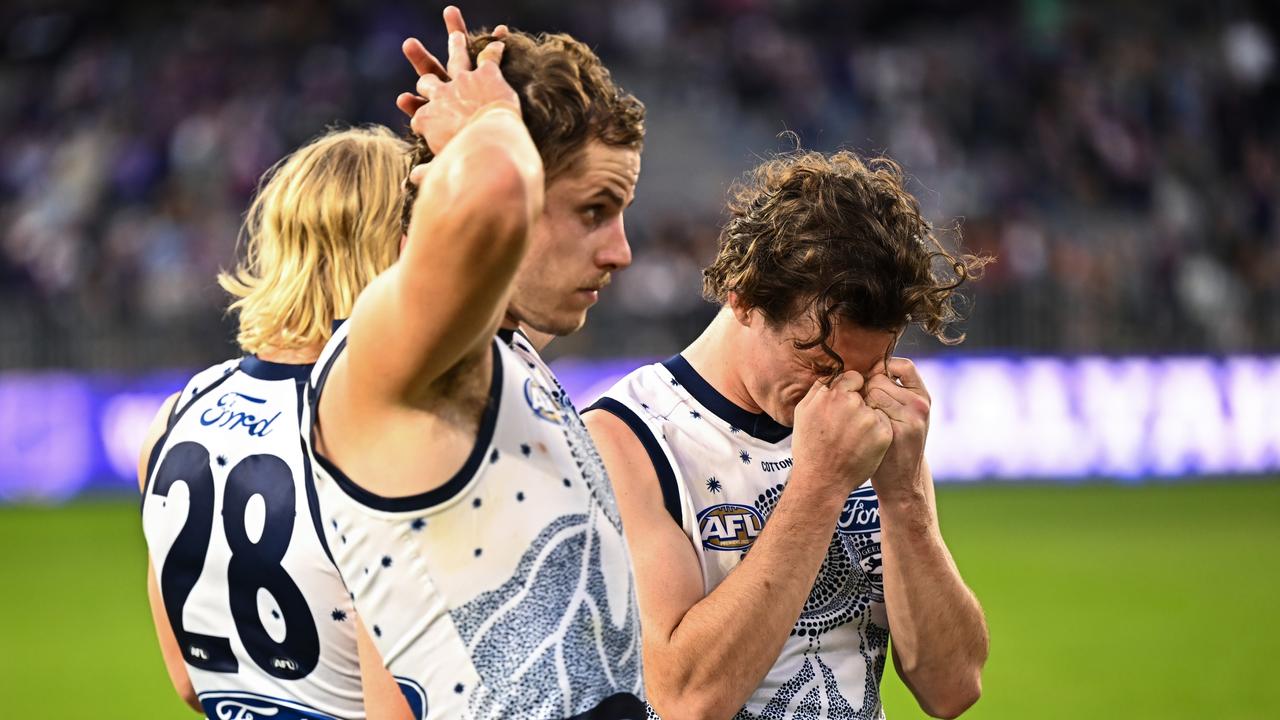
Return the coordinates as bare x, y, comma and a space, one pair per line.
729, 526
861, 514
542, 403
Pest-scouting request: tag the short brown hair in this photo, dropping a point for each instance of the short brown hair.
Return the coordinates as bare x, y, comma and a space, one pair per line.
567, 96
838, 238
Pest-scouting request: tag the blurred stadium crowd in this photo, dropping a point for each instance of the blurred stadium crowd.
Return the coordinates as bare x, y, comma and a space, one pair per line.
1121, 159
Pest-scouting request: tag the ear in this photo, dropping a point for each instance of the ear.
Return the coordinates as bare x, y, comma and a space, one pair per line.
744, 314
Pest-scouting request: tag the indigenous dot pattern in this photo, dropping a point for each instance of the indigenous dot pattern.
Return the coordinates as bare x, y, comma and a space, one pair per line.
553, 612
844, 591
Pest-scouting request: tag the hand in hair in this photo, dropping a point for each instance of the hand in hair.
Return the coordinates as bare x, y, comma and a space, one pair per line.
424, 63
468, 93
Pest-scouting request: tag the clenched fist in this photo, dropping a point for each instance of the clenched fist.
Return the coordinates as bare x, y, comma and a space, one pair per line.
838, 436
898, 392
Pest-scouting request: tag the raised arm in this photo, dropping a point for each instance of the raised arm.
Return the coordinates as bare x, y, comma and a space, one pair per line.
939, 635
688, 638
169, 649
477, 199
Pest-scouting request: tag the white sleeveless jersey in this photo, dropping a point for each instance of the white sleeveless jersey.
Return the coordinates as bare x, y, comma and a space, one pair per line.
261, 615
722, 470
507, 592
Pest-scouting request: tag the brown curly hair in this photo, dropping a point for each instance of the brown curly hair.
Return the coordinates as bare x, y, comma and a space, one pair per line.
567, 97
840, 239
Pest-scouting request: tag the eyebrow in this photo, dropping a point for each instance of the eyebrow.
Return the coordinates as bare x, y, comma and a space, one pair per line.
613, 195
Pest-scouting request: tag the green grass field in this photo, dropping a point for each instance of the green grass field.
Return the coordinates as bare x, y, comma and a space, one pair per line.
1158, 601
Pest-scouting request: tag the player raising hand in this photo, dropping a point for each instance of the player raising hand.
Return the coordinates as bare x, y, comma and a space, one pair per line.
464, 501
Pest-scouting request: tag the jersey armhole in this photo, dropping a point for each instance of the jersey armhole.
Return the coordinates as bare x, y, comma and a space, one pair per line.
436, 496
661, 463
308, 478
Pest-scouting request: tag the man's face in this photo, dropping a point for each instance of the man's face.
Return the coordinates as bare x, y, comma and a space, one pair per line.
778, 375
578, 242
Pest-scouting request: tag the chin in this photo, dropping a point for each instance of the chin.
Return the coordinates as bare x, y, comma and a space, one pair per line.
559, 324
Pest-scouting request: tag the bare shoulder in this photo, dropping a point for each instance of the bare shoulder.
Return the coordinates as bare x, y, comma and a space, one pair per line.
158, 425
630, 469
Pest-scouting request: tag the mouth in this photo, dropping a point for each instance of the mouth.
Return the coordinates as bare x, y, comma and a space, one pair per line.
591, 292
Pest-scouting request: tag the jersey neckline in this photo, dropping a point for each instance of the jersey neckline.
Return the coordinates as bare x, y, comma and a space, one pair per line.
757, 425
256, 367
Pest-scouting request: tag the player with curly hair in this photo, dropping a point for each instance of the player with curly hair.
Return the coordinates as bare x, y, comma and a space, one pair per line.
771, 477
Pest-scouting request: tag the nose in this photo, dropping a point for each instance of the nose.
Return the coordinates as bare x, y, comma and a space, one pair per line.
614, 253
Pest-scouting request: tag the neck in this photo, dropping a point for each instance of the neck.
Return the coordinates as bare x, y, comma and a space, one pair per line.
715, 356
291, 356
539, 339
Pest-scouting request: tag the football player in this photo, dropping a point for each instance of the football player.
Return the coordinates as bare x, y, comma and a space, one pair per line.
252, 615
772, 477
465, 503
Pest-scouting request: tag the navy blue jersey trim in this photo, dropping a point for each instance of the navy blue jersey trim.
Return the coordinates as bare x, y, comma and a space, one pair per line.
324, 377
174, 417
309, 485
620, 706
507, 335
430, 498
661, 465
256, 367
757, 425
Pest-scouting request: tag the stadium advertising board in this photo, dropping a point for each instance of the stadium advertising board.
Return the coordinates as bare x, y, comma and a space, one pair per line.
993, 418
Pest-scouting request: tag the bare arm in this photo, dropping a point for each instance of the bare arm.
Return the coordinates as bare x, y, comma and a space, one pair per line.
939, 635
382, 697
690, 638
938, 630
169, 649
443, 300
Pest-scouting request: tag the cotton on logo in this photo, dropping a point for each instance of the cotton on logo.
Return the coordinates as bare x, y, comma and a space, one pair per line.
729, 526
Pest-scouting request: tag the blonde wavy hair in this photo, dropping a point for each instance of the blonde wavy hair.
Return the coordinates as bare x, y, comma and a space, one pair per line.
324, 223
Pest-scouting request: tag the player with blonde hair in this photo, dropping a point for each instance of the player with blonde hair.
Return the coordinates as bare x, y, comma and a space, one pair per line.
252, 616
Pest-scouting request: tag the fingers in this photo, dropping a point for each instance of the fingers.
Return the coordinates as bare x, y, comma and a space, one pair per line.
888, 393
423, 62
459, 60
501, 31
492, 53
427, 86
848, 382
877, 398
417, 174
453, 21
409, 103
906, 373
